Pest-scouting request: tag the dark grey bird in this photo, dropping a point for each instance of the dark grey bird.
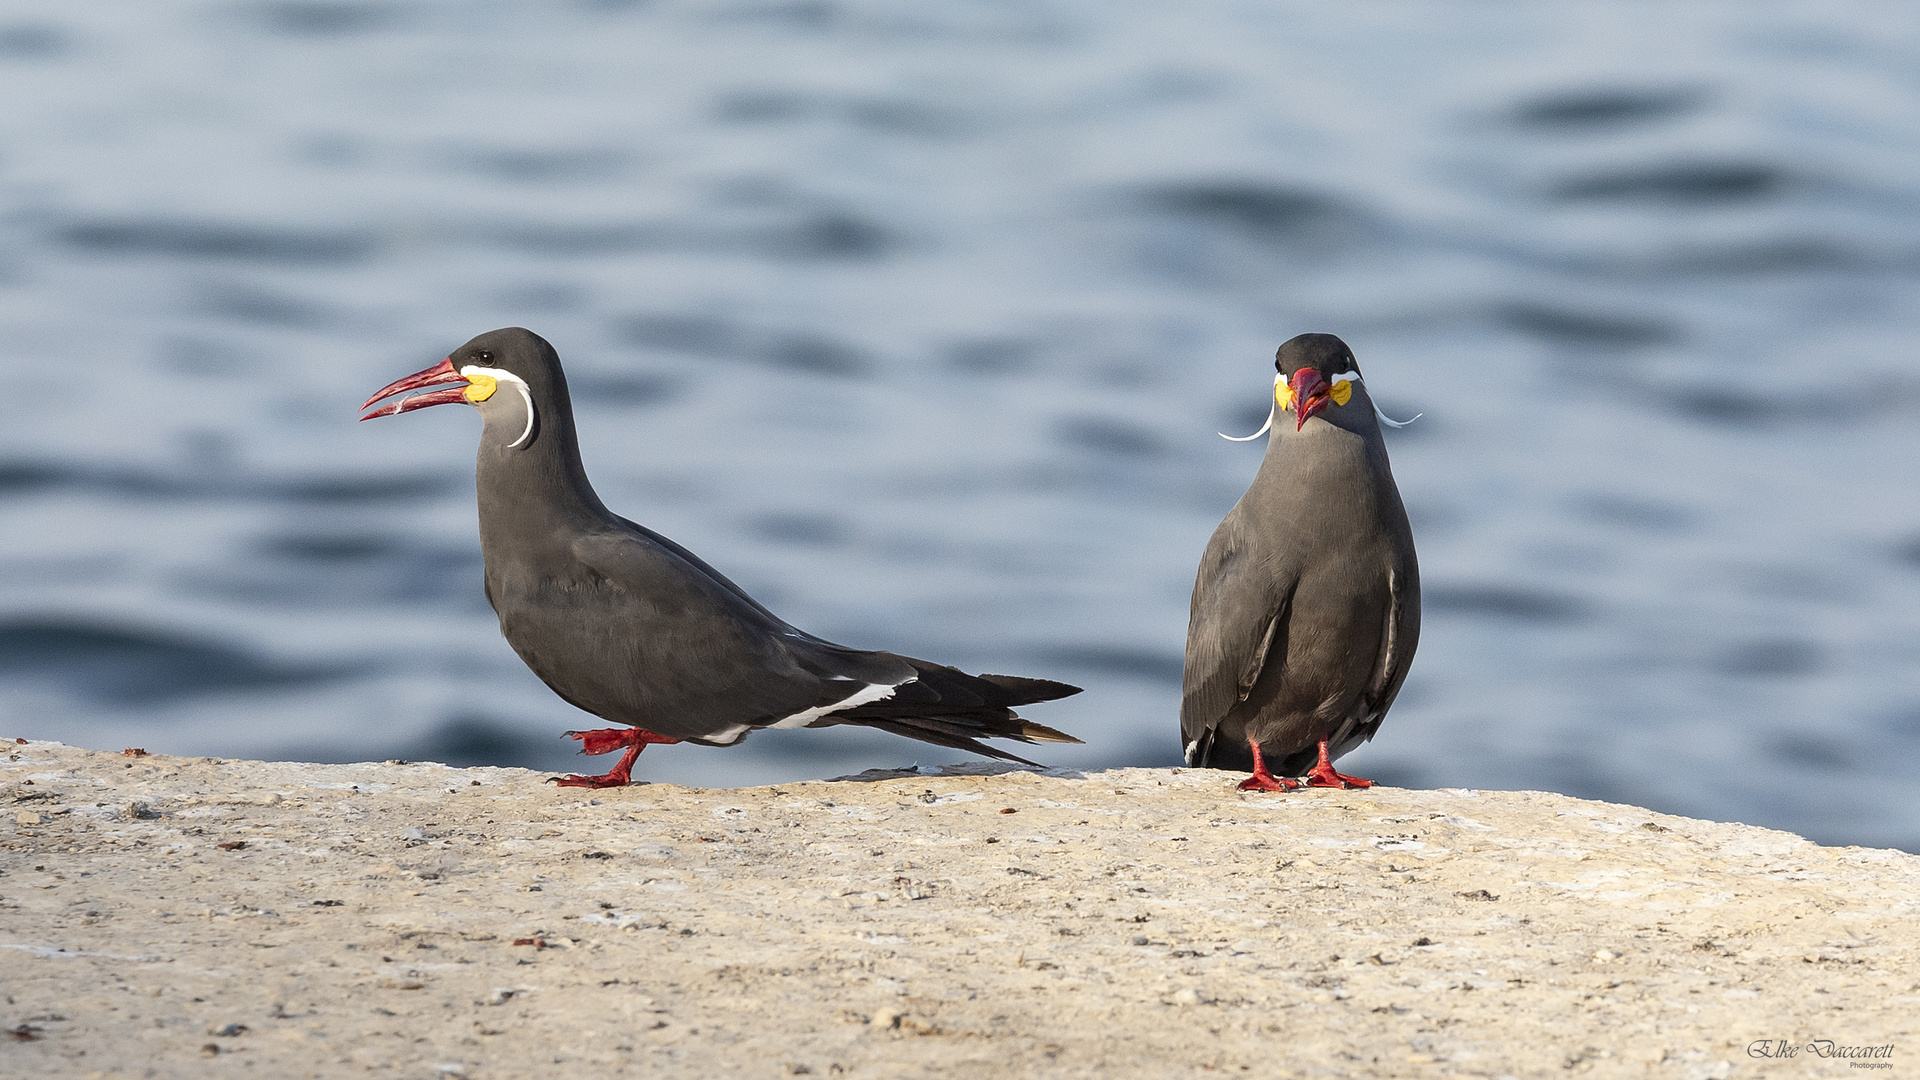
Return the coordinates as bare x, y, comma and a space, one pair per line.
632, 627
1306, 608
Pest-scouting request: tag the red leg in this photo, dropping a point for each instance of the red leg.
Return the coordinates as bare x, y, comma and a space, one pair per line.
606, 741
1262, 780
1322, 774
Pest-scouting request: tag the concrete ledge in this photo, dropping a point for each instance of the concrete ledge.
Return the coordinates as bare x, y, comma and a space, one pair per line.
193, 917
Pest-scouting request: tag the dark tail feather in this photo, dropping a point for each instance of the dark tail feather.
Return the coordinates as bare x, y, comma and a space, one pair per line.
944, 738
1024, 691
948, 707
1032, 732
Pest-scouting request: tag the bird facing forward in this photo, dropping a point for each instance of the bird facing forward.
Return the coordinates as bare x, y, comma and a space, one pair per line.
630, 626
1306, 608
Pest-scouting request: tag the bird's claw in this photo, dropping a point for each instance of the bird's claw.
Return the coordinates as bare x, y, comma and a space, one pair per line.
604, 740
607, 740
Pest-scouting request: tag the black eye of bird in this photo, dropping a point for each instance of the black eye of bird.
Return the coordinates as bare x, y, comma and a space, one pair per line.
486, 356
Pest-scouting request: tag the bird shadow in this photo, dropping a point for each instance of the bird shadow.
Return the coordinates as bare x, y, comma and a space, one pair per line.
971, 768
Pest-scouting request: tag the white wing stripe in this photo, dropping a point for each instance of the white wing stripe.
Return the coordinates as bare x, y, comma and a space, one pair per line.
872, 692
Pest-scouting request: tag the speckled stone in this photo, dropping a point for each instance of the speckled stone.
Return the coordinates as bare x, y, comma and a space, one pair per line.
176, 917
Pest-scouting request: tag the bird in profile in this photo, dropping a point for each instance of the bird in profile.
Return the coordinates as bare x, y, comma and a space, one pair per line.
633, 628
1306, 608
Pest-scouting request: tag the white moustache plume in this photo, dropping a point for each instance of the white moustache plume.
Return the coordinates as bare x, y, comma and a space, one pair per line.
1345, 376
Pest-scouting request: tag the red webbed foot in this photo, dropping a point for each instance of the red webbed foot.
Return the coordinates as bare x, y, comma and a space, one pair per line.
616, 778
1323, 775
1265, 781
1316, 778
1262, 780
606, 741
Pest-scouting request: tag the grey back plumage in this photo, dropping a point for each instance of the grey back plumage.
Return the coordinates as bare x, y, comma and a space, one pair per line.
1306, 606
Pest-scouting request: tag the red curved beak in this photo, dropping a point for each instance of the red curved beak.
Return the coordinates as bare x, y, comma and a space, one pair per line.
1310, 390
441, 372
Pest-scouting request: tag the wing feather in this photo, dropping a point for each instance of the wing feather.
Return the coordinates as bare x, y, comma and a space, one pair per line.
687, 654
1401, 634
1237, 621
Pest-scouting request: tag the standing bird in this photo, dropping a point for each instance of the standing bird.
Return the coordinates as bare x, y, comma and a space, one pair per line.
1306, 608
632, 627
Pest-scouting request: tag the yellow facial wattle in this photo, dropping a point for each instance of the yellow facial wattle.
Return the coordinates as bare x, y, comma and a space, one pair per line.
481, 388
1340, 392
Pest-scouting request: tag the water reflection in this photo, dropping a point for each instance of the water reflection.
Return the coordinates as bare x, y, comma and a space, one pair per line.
919, 322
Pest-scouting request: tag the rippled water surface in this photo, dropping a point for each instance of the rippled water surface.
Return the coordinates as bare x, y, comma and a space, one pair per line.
919, 319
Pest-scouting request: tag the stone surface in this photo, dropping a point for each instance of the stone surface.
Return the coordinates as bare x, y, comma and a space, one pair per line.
193, 917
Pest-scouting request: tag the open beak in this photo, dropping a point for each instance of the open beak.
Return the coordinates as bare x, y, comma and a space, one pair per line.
442, 372
1310, 390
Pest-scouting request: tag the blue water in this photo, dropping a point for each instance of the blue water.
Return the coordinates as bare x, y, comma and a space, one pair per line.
919, 319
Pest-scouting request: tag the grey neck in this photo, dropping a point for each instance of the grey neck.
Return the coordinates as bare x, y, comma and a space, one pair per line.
534, 496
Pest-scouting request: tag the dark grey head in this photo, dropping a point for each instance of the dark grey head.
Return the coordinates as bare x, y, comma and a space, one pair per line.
519, 354
1317, 371
1322, 352
529, 470
512, 376
522, 362
1318, 376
